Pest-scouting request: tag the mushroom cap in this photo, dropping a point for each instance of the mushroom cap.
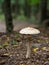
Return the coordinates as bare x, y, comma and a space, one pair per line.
29, 30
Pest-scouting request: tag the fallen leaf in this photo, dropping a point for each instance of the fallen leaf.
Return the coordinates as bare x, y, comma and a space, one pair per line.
0, 47
5, 44
44, 48
35, 49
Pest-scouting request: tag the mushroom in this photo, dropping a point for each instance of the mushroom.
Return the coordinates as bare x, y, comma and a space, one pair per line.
28, 32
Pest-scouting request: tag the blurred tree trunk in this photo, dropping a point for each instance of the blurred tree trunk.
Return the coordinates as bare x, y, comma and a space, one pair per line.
43, 9
27, 9
8, 16
13, 8
17, 7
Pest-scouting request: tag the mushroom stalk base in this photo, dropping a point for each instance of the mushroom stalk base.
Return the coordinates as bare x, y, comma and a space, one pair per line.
28, 50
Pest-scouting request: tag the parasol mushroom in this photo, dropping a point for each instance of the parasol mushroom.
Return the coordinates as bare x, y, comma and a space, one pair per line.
28, 32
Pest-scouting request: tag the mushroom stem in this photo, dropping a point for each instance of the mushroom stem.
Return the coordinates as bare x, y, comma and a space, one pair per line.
28, 50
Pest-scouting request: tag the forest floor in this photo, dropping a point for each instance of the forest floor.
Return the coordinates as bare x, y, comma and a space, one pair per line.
13, 48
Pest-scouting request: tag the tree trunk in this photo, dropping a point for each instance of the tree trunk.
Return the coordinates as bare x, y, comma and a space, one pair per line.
43, 9
17, 7
8, 16
27, 9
